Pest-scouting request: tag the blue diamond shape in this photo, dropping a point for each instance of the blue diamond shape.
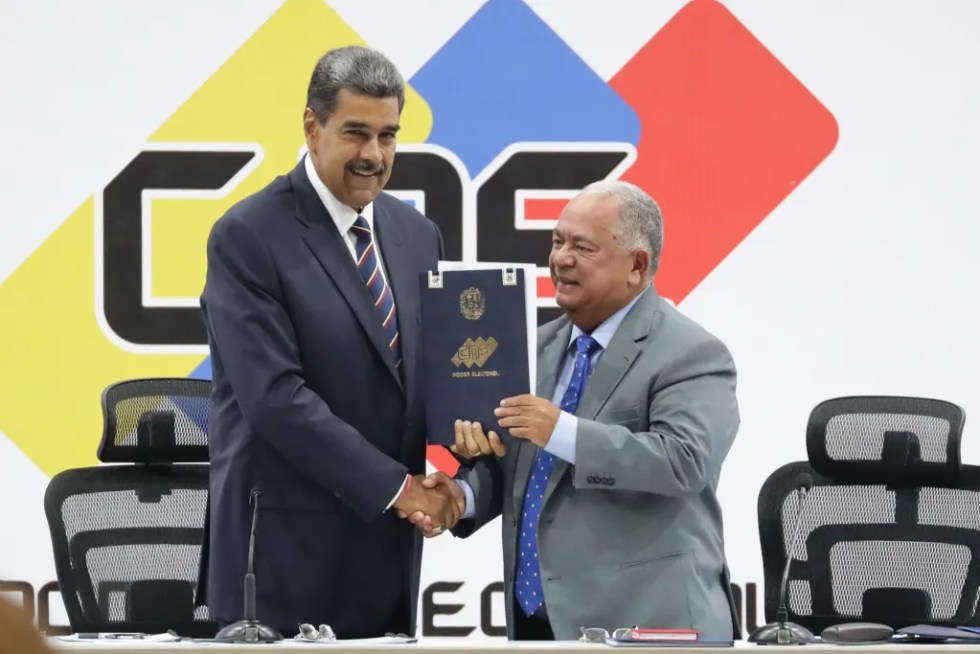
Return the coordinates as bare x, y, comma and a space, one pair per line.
504, 77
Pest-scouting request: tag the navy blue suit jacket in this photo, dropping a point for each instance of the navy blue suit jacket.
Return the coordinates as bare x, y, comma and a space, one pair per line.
307, 406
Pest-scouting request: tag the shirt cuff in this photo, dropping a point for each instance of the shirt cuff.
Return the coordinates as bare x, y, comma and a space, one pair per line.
401, 489
470, 510
564, 437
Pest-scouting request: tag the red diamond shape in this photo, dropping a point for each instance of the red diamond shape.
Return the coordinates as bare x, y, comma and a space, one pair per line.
727, 133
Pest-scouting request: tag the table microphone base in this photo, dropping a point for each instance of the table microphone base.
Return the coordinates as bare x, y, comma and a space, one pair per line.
782, 633
248, 631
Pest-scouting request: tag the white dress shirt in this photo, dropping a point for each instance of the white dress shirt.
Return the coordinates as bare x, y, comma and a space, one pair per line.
565, 435
344, 216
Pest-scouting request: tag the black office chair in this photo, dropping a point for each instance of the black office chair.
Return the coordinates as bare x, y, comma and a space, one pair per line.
890, 531
127, 538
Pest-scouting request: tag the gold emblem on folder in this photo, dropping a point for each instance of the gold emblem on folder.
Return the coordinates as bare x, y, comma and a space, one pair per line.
474, 353
472, 303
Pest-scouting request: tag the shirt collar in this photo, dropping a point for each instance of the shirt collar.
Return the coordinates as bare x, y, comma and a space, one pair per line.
603, 334
342, 215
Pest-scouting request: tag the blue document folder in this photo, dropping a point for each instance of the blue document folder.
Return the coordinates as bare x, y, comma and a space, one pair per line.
474, 347
936, 632
704, 642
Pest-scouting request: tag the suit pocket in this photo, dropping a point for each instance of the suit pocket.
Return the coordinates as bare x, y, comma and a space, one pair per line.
657, 589
296, 495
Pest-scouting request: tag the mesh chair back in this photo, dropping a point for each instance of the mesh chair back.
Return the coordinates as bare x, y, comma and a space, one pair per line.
128, 538
898, 440
156, 420
127, 542
890, 530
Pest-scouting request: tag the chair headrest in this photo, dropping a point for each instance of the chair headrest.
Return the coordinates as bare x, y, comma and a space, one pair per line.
155, 420
883, 439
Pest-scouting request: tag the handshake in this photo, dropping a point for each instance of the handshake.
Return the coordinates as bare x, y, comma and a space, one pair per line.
436, 503
433, 504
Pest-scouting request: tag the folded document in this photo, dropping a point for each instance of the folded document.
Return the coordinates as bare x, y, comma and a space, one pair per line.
475, 344
703, 642
936, 632
380, 640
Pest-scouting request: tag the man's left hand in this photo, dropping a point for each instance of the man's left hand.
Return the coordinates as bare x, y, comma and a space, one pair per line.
529, 417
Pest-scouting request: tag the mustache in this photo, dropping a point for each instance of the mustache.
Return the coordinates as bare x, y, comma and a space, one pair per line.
366, 167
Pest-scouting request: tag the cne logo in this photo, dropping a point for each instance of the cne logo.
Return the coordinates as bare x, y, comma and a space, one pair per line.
119, 280
474, 353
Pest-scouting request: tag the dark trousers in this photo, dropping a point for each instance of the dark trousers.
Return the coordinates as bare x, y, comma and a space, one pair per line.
535, 627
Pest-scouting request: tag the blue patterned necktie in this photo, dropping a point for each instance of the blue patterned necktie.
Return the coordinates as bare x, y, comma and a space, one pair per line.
370, 268
528, 588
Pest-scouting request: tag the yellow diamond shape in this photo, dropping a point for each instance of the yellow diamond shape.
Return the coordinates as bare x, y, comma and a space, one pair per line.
56, 356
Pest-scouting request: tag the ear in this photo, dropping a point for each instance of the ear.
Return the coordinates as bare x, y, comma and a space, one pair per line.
641, 264
311, 129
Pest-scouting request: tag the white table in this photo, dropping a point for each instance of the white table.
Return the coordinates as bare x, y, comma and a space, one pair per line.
445, 645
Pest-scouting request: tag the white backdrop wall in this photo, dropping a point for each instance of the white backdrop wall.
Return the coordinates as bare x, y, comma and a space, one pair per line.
861, 279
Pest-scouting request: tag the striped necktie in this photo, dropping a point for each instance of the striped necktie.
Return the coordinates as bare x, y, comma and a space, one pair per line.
369, 265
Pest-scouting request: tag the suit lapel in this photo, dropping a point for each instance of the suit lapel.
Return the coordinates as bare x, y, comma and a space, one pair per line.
404, 281
327, 245
551, 360
549, 367
626, 345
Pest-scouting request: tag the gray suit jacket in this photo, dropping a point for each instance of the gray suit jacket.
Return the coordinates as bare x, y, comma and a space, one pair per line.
631, 534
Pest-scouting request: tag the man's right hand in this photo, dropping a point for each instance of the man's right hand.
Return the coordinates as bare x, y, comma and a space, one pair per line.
425, 523
437, 502
471, 441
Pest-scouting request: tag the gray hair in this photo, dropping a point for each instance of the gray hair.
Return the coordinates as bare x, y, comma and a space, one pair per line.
641, 226
359, 70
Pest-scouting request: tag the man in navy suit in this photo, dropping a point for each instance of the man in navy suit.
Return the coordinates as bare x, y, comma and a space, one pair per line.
312, 311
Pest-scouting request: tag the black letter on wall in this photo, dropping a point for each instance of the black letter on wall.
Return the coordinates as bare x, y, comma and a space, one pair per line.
122, 254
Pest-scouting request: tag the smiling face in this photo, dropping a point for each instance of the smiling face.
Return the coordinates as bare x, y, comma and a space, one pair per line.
594, 275
353, 151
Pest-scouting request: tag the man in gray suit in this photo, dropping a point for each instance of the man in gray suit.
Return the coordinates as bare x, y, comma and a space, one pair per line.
607, 497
